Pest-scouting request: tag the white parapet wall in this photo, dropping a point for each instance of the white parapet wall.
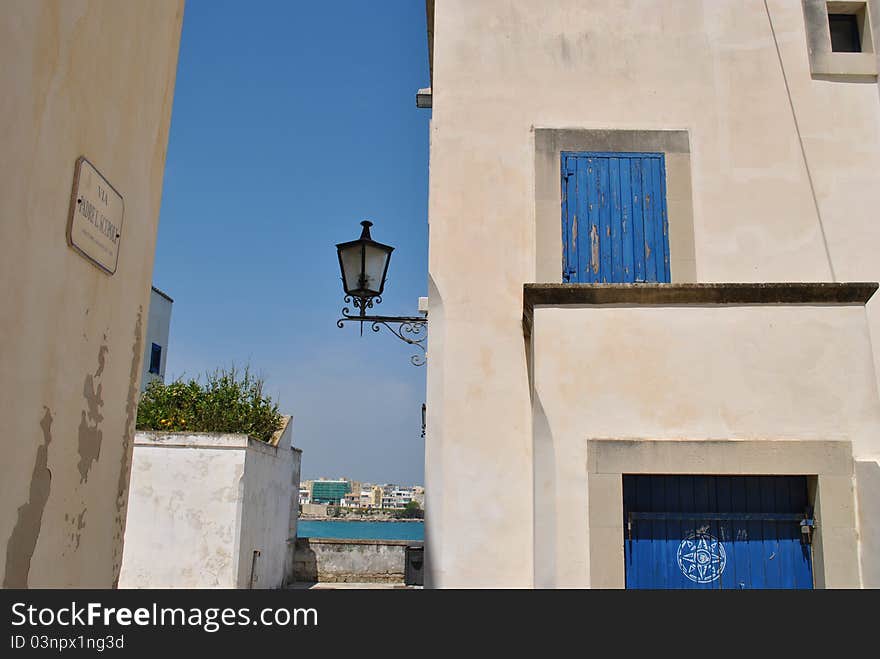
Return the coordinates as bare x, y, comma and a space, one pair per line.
210, 510
339, 560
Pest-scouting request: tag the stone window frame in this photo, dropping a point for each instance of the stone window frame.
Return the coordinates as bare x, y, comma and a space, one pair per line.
827, 464
673, 143
827, 64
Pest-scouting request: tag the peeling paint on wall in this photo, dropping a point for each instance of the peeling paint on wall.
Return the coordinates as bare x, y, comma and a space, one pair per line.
127, 434
80, 525
90, 435
76, 523
23, 541
594, 249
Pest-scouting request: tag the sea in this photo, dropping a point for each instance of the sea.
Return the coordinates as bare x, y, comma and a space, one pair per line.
361, 530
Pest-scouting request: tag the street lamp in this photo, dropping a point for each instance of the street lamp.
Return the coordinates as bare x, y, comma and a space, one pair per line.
364, 267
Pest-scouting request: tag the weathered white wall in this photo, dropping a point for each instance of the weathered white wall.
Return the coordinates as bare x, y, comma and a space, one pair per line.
184, 511
271, 489
201, 504
335, 560
93, 78
158, 329
764, 372
502, 68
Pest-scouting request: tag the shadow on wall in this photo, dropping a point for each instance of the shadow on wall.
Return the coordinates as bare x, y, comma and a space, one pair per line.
868, 492
305, 562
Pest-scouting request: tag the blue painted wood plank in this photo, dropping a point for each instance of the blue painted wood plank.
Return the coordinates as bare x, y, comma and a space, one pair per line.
782, 494
616, 220
566, 220
649, 192
664, 222
725, 536
638, 219
626, 238
594, 222
581, 228
756, 537
643, 538
628, 505
658, 202
801, 553
569, 183
603, 203
661, 559
770, 531
644, 535
740, 531
701, 483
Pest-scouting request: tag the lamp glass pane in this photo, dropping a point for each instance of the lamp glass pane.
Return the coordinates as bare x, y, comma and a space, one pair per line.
351, 266
375, 259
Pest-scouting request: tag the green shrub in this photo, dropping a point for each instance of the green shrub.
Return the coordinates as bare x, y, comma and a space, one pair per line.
228, 402
412, 511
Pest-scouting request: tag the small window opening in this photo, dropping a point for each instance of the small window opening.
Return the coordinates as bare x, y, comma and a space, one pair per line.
845, 36
155, 358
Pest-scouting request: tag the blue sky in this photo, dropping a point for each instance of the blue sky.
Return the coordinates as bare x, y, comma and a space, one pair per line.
292, 122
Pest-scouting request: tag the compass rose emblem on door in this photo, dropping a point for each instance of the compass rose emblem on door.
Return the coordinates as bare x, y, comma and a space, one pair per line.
701, 557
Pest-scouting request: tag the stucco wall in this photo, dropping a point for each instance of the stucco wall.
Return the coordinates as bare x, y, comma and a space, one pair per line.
271, 490
867, 486
785, 173
93, 78
202, 504
351, 561
725, 373
184, 511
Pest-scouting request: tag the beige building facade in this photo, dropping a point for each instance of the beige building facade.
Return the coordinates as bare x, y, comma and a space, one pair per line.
755, 356
90, 79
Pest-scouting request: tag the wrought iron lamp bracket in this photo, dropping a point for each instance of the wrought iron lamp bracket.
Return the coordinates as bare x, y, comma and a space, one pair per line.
409, 329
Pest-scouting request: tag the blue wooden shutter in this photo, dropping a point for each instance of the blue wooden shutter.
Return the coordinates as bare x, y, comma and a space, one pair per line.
716, 532
614, 224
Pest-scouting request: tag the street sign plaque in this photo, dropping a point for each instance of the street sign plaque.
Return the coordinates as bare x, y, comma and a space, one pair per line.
94, 225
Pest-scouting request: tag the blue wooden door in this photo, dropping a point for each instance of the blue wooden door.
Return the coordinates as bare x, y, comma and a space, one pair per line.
614, 224
716, 532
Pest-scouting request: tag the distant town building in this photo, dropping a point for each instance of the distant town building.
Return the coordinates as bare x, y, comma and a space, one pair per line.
156, 339
331, 492
397, 497
351, 500
355, 494
376, 496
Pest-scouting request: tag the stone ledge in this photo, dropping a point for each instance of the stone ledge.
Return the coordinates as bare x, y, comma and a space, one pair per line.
352, 541
186, 439
693, 294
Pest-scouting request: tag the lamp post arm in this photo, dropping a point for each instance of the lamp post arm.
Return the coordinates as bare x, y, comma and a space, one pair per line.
412, 330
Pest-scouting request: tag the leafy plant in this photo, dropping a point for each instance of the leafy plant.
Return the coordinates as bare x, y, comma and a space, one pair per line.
229, 401
412, 511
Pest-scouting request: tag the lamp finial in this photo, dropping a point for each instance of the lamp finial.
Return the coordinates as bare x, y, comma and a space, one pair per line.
366, 224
